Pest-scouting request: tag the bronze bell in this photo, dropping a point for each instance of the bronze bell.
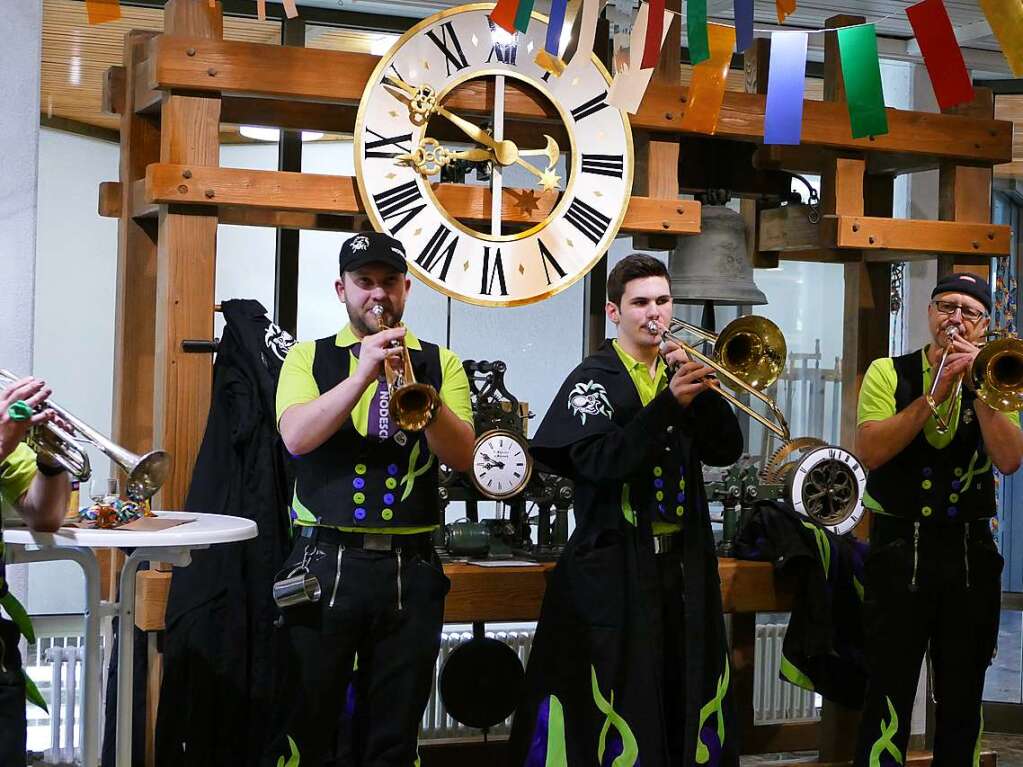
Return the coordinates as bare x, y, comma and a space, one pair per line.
713, 265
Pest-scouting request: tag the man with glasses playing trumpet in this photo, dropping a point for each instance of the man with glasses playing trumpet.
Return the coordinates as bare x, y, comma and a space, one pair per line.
366, 439
932, 580
38, 490
629, 663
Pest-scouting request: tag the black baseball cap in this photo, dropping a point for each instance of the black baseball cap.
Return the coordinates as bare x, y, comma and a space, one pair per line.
372, 247
967, 283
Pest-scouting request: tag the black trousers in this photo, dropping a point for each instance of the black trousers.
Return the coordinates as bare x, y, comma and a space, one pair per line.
672, 635
12, 698
391, 623
952, 611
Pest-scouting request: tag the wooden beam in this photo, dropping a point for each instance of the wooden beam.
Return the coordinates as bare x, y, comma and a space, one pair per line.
878, 233
338, 195
252, 69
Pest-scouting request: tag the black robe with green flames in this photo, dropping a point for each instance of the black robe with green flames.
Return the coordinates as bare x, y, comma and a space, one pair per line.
595, 692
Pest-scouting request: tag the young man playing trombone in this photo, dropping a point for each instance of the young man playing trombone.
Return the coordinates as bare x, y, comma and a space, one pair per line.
38, 490
629, 663
932, 580
365, 505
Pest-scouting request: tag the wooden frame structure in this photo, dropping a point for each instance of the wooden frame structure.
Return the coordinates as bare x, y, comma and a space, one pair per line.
174, 90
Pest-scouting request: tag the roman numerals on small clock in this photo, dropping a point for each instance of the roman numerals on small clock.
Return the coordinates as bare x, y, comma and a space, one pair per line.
403, 202
588, 220
450, 46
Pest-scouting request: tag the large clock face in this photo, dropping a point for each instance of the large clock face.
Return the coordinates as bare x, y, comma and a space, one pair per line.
557, 189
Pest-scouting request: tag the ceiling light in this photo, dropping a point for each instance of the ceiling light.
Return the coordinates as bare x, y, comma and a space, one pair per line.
273, 134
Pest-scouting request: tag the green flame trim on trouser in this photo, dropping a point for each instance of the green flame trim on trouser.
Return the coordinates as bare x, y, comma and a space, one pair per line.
792, 674
410, 477
859, 587
884, 743
823, 546
17, 613
630, 515
713, 706
557, 750
630, 748
293, 759
976, 746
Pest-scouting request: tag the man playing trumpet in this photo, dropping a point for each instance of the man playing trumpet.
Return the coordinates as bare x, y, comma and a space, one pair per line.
932, 580
365, 505
38, 490
629, 664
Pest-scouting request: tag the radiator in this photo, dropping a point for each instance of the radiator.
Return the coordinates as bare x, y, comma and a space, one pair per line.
65, 736
775, 700
437, 723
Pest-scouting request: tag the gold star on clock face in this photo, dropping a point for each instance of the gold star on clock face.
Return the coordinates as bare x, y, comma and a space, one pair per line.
424, 143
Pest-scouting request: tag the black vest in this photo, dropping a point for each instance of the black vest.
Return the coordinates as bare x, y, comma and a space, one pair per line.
357, 481
922, 482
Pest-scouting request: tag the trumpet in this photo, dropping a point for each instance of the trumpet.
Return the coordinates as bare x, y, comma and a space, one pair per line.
412, 404
749, 355
996, 376
60, 445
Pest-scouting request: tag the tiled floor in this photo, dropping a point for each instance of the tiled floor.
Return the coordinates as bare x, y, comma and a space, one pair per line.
1008, 747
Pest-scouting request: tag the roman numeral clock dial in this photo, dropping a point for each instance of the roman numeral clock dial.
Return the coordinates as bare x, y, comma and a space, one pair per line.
492, 210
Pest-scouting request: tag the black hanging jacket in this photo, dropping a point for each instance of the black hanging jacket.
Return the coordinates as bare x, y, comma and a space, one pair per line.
823, 647
220, 654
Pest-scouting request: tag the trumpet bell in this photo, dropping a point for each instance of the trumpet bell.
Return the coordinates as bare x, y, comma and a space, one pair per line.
412, 405
148, 474
997, 374
753, 349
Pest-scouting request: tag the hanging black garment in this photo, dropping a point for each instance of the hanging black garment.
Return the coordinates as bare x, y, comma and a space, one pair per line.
824, 643
630, 663
220, 654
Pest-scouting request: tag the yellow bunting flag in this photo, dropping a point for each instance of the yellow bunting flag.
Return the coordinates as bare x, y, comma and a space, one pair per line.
785, 8
101, 11
707, 89
1006, 20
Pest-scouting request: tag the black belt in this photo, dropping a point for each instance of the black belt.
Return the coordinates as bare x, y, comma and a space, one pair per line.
367, 541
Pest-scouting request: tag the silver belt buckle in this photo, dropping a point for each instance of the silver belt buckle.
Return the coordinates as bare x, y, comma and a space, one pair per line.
376, 542
662, 544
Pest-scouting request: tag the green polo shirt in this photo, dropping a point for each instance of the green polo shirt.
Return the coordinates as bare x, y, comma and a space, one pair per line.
877, 402
16, 474
296, 386
647, 387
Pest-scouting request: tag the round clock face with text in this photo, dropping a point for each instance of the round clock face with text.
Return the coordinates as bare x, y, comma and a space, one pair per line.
828, 485
526, 208
501, 464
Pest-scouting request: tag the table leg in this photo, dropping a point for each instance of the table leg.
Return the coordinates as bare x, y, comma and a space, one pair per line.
126, 641
91, 690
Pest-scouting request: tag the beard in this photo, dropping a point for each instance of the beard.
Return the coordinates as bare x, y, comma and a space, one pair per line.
366, 323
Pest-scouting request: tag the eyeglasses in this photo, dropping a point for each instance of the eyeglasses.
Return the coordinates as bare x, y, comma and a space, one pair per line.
949, 307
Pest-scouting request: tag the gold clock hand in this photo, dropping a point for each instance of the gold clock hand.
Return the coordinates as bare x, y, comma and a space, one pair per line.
505, 152
429, 157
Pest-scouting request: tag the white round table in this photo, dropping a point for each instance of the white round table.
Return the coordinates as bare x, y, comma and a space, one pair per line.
172, 545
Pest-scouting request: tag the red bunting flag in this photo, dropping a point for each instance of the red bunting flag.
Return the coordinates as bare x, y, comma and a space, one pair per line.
785, 8
942, 56
652, 44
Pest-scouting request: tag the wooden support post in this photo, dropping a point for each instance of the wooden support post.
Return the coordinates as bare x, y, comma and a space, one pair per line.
964, 192
186, 265
134, 325
657, 160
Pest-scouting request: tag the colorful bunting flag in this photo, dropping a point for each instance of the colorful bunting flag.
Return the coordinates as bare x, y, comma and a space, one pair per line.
261, 10
653, 39
942, 56
1006, 20
506, 13
707, 89
786, 79
784, 8
743, 24
289, 8
631, 81
102, 11
696, 31
587, 34
861, 71
548, 58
